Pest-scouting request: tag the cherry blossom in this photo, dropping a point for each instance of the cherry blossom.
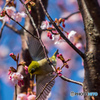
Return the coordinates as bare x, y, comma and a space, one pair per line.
59, 71
45, 25
71, 35
22, 96
31, 97
12, 56
5, 19
19, 16
59, 40
10, 11
79, 45
50, 35
16, 78
26, 69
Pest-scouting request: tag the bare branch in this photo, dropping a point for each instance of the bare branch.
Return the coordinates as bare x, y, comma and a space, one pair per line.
61, 34
21, 26
69, 80
2, 27
66, 18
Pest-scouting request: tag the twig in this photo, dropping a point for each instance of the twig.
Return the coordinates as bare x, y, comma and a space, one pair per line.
69, 80
21, 26
15, 92
46, 86
61, 34
13, 28
6, 4
37, 31
66, 18
2, 27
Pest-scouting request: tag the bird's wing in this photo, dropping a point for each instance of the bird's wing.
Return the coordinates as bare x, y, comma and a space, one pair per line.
41, 81
35, 49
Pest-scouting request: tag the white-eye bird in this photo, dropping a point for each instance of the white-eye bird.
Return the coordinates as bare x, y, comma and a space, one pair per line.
41, 68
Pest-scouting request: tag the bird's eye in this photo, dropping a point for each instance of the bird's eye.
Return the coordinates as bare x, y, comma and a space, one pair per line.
33, 70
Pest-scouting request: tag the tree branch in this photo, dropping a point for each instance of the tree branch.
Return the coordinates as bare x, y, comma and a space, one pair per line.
21, 26
66, 18
61, 34
69, 80
2, 27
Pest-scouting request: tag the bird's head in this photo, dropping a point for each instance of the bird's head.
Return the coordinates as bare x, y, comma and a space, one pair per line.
33, 67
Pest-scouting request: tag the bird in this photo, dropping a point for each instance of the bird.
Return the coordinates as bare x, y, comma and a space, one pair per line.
41, 69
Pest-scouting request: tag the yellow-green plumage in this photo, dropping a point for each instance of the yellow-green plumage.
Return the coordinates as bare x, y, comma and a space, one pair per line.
42, 66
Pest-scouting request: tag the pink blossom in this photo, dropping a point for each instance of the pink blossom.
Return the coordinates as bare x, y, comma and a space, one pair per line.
31, 97
19, 16
58, 55
60, 39
10, 77
45, 25
26, 69
10, 10
49, 35
79, 45
11, 54
9, 72
5, 18
66, 66
16, 78
20, 83
71, 35
22, 96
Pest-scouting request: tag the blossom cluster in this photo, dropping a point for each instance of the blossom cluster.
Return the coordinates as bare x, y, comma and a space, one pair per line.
14, 76
53, 34
11, 11
65, 64
23, 96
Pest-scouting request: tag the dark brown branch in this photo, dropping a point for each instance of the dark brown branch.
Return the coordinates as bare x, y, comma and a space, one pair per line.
61, 34
21, 26
72, 81
66, 18
94, 10
2, 27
